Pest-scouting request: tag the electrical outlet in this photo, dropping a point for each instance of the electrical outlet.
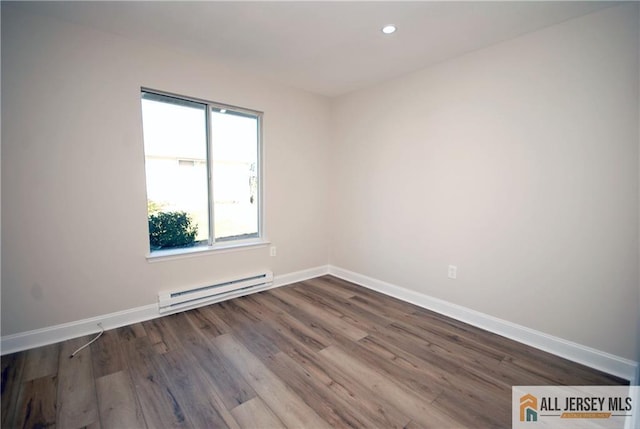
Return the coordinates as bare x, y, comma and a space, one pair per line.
453, 272
273, 251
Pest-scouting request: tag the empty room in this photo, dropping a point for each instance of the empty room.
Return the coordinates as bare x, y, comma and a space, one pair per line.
320, 214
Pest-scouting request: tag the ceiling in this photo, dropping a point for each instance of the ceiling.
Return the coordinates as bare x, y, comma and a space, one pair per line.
328, 48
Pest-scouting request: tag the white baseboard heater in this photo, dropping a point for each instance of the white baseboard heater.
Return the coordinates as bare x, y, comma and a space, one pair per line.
185, 299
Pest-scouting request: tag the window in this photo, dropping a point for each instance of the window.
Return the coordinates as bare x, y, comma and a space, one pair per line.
202, 164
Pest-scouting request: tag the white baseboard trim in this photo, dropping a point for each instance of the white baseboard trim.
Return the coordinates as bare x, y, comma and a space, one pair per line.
66, 331
299, 276
53, 334
588, 356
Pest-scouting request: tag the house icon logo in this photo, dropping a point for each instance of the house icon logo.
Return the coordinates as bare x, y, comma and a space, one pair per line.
528, 408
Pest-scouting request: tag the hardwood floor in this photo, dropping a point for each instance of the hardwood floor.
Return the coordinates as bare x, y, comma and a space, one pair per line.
320, 353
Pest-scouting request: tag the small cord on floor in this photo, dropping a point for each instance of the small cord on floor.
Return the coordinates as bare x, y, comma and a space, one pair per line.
90, 342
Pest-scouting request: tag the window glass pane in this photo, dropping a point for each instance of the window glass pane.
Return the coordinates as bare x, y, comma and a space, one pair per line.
175, 145
234, 144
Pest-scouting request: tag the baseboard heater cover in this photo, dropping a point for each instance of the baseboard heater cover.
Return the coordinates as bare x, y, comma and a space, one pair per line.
185, 299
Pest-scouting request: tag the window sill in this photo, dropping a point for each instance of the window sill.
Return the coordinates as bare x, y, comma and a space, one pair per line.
191, 252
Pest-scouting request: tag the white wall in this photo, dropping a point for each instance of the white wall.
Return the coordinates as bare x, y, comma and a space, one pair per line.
517, 163
74, 232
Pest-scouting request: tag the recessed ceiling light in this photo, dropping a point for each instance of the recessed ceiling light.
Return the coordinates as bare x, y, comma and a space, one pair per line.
389, 29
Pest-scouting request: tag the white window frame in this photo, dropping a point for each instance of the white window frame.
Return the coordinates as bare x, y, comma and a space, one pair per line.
212, 245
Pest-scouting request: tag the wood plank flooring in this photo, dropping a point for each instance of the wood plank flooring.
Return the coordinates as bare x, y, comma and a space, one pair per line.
316, 354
